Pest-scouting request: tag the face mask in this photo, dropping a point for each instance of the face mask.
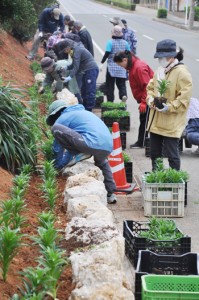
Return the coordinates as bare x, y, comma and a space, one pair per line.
163, 62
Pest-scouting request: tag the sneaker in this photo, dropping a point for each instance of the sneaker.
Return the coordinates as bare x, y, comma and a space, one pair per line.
29, 57
111, 199
77, 158
124, 98
136, 146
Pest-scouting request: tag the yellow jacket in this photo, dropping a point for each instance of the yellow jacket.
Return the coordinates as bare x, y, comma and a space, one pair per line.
178, 94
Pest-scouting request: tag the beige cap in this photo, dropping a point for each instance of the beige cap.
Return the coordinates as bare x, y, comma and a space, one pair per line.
56, 13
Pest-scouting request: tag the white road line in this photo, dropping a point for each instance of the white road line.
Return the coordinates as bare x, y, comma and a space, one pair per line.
94, 43
197, 59
148, 37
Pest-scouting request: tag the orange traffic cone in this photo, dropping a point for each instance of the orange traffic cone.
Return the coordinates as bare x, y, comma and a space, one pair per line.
116, 163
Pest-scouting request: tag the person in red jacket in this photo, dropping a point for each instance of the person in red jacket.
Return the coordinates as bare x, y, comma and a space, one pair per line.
139, 75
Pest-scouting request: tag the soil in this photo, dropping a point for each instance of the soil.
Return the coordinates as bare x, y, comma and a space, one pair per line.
158, 102
15, 68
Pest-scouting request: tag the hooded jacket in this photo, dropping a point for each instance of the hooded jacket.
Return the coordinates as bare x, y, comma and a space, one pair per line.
178, 94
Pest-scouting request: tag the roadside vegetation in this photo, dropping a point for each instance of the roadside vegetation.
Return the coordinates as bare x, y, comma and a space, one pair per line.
20, 17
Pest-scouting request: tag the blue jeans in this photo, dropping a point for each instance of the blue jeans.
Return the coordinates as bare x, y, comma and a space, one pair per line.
192, 131
88, 89
71, 140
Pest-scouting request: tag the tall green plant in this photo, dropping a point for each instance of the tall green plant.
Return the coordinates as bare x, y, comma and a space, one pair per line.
54, 262
10, 240
17, 140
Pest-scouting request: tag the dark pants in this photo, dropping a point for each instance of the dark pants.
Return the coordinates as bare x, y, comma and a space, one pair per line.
142, 133
74, 143
110, 86
171, 147
88, 88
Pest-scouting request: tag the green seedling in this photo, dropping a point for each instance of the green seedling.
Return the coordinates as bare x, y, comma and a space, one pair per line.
50, 197
47, 237
161, 229
116, 113
163, 86
27, 170
18, 192
49, 171
21, 181
53, 260
48, 184
34, 282
10, 215
10, 241
126, 157
46, 218
113, 105
166, 176
46, 148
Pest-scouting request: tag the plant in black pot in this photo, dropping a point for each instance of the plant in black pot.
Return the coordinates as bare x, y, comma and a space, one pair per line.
162, 88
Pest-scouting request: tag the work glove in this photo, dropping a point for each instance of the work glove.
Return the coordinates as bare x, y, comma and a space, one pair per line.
40, 34
150, 102
164, 109
66, 79
100, 67
142, 107
41, 90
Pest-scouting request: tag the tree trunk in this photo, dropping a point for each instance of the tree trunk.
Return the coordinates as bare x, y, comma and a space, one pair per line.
191, 15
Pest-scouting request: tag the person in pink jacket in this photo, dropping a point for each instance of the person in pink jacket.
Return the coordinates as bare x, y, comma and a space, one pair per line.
139, 76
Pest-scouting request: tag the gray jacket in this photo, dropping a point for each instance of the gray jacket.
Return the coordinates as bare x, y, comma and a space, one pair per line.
54, 76
82, 61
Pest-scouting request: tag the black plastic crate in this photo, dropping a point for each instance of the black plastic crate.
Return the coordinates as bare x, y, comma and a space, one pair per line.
134, 243
124, 122
123, 140
99, 101
101, 87
129, 171
153, 263
147, 147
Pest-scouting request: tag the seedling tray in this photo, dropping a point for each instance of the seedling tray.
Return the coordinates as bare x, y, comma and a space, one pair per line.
134, 243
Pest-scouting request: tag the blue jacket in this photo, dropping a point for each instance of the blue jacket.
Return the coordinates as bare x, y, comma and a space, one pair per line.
93, 130
48, 24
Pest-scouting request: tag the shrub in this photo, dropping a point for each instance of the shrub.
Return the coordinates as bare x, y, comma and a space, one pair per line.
162, 13
20, 17
196, 18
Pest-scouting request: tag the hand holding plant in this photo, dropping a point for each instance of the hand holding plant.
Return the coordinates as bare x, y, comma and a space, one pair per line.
162, 88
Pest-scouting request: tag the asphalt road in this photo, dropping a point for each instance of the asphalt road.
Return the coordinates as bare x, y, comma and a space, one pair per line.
96, 18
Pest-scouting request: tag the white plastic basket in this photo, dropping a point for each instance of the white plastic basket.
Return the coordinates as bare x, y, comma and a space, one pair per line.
163, 199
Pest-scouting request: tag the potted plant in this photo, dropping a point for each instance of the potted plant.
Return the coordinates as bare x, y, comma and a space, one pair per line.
120, 116
162, 88
128, 165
